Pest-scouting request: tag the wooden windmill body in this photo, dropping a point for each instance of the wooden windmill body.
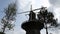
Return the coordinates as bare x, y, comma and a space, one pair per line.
32, 26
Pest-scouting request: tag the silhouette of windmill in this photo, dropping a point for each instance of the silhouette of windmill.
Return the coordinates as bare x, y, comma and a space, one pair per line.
37, 26
32, 26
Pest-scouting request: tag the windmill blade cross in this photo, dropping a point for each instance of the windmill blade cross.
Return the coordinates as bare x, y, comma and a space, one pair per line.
29, 11
23, 12
32, 10
36, 9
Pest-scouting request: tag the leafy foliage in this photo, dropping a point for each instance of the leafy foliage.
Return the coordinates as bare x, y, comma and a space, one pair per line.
2, 33
10, 14
47, 17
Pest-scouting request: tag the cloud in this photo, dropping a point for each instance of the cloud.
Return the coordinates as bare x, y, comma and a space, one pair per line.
55, 3
57, 14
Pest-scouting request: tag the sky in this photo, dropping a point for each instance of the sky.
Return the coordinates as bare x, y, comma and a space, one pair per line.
24, 5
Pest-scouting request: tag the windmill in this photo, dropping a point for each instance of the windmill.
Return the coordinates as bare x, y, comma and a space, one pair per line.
32, 26
32, 14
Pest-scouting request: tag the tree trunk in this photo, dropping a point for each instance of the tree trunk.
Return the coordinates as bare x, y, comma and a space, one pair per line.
46, 30
4, 28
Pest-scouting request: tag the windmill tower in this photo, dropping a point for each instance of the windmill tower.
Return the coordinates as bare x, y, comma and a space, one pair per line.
32, 26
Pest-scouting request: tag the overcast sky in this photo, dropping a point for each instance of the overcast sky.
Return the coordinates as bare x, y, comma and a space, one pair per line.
24, 5
52, 5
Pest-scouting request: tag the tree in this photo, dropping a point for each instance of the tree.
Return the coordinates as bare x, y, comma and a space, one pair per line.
47, 18
10, 14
